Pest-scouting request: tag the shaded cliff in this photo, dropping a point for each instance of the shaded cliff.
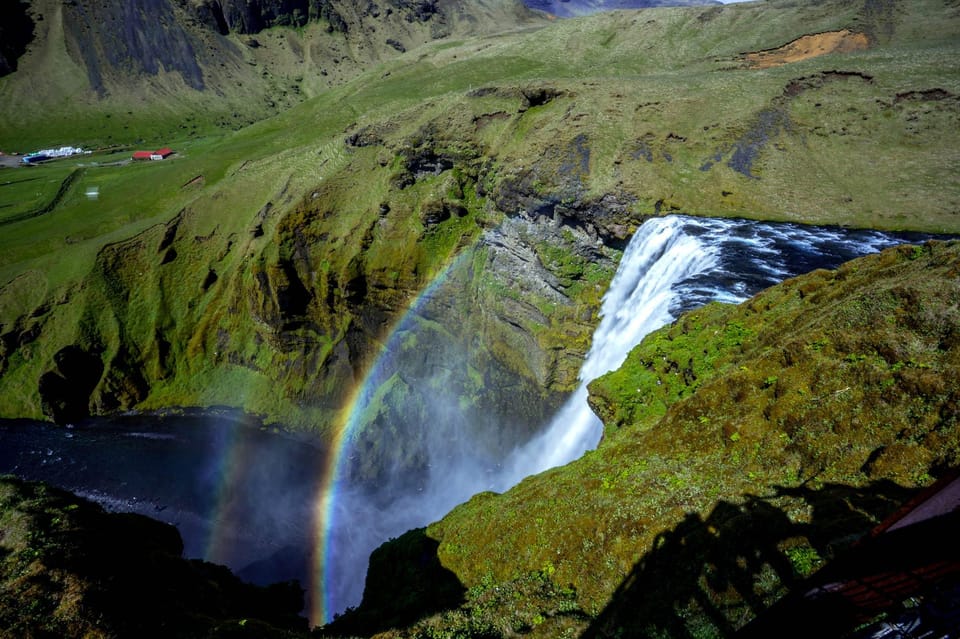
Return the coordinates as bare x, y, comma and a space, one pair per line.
111, 69
16, 32
70, 569
745, 446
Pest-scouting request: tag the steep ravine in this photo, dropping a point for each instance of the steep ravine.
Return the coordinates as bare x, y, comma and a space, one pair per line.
745, 446
283, 315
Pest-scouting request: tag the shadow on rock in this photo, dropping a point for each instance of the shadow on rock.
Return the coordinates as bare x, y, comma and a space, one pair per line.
709, 576
428, 587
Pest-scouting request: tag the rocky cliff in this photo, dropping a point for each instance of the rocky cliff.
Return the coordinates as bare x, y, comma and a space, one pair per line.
745, 446
16, 32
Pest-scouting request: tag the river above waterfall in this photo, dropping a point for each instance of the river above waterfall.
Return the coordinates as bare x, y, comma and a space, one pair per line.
248, 497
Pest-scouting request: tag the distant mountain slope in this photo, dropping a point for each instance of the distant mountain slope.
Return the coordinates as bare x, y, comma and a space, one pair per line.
163, 66
572, 8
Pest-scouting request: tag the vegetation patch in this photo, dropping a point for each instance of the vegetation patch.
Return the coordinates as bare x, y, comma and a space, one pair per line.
745, 446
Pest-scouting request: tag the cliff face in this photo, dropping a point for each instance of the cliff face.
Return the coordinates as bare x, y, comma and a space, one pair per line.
141, 38
16, 32
745, 446
293, 303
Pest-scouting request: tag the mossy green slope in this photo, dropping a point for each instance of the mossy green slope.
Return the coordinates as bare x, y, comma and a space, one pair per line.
744, 446
262, 268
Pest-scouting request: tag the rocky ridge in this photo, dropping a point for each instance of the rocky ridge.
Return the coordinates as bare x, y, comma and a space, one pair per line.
70, 569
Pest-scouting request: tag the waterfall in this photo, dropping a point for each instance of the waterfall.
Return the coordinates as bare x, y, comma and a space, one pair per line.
674, 264
660, 256
671, 265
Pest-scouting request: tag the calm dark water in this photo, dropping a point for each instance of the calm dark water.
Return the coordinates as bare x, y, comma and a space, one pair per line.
239, 495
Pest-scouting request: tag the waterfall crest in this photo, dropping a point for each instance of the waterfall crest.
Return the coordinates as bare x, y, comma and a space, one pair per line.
660, 256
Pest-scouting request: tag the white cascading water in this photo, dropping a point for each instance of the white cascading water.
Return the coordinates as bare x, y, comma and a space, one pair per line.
659, 256
638, 302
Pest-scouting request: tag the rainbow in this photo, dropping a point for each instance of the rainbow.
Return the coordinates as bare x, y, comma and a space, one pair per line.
237, 452
321, 604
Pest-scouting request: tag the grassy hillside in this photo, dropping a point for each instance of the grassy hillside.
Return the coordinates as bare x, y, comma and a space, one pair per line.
107, 73
745, 446
277, 256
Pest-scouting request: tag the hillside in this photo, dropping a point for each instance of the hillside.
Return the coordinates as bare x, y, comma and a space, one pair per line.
276, 259
745, 446
111, 73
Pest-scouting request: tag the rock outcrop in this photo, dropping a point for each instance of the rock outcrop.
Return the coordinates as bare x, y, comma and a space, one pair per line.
16, 32
70, 569
745, 446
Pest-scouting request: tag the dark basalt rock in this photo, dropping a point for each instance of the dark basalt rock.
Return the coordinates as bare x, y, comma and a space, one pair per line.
16, 32
210, 13
417, 10
411, 560
144, 37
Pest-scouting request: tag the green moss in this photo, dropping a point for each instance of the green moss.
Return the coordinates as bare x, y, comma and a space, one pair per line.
781, 446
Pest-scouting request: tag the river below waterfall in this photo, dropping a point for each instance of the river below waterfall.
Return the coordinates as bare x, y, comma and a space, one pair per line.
239, 495
247, 497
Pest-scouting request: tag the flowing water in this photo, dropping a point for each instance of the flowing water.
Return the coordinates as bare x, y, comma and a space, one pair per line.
248, 498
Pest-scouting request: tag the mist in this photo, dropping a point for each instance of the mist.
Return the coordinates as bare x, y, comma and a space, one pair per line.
671, 265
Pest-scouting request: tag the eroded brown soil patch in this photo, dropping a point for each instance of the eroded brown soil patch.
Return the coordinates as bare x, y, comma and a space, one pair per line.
806, 47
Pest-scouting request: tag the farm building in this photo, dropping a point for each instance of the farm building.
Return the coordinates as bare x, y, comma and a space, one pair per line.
159, 154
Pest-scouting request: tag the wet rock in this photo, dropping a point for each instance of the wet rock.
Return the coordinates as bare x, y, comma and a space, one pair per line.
16, 32
367, 136
538, 96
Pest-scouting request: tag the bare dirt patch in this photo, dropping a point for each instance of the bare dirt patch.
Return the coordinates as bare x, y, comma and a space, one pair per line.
9, 160
806, 47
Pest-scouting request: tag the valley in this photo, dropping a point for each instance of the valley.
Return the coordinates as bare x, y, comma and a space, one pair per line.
388, 224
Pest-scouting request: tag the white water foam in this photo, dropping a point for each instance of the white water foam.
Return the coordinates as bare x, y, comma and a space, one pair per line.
658, 258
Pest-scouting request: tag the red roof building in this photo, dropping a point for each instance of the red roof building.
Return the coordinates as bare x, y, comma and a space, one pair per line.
159, 154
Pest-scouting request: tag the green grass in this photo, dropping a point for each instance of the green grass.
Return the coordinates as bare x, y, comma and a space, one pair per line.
799, 425
667, 79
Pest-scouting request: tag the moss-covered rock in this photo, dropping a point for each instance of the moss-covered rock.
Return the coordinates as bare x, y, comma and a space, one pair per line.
745, 446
